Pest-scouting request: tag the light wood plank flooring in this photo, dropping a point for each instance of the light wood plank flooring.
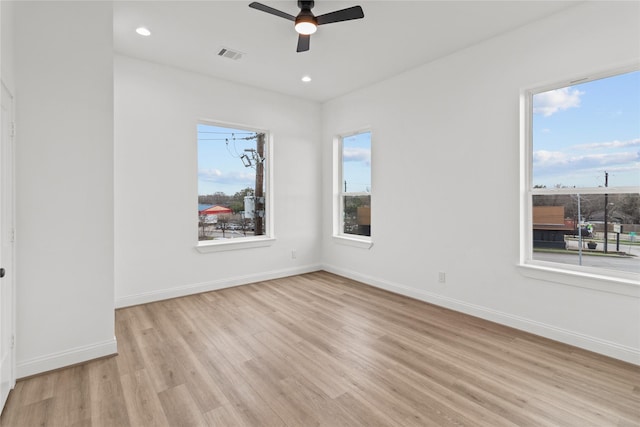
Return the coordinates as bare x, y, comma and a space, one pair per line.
319, 349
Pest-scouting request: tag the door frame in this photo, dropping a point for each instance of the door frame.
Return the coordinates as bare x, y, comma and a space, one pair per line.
7, 206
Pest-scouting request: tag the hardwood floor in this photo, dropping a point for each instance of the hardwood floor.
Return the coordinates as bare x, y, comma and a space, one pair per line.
319, 349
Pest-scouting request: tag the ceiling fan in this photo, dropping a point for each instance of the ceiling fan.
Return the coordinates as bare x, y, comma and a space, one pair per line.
306, 23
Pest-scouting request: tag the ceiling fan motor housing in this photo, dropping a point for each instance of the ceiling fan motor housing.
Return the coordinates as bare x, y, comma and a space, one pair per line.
305, 4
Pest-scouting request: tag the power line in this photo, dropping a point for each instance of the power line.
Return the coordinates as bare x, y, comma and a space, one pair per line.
226, 133
234, 138
246, 138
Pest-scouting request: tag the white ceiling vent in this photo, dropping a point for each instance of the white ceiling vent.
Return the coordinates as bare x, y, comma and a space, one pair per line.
229, 53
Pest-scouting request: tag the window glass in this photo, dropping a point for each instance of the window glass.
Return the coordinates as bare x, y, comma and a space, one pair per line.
569, 229
584, 168
355, 184
583, 130
231, 183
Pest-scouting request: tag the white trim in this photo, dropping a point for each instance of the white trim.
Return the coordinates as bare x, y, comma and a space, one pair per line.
589, 76
526, 216
208, 246
214, 285
553, 273
584, 190
343, 239
607, 348
8, 204
65, 358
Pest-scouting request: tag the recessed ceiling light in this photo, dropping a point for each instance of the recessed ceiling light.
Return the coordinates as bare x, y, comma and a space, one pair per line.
143, 31
306, 79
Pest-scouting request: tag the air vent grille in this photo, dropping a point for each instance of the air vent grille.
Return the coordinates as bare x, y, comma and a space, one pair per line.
230, 53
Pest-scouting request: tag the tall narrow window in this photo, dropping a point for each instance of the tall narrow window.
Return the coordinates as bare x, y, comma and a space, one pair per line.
355, 185
584, 176
232, 194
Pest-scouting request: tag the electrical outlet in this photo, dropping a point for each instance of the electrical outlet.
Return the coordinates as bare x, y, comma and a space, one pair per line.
442, 277
294, 254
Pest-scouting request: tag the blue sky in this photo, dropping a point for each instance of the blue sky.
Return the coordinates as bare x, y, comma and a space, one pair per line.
220, 167
581, 131
356, 156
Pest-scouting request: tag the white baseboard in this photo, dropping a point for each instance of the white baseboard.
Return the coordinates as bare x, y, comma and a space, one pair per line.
597, 345
69, 357
184, 290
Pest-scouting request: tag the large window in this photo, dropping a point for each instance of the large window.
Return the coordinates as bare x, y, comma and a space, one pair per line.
354, 185
583, 176
232, 183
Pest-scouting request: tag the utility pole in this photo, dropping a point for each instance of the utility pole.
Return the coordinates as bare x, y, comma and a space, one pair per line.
259, 193
606, 206
579, 234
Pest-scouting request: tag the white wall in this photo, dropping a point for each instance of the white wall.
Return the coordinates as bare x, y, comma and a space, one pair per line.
64, 188
67, 174
6, 44
446, 139
156, 110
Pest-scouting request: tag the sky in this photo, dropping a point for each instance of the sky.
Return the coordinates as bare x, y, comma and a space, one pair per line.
356, 157
220, 167
582, 131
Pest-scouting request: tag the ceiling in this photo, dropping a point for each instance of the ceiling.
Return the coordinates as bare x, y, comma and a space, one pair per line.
394, 36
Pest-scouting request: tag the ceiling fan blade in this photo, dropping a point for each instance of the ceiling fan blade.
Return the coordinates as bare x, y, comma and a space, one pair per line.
272, 11
303, 43
347, 14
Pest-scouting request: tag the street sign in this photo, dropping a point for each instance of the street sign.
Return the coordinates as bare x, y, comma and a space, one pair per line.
617, 228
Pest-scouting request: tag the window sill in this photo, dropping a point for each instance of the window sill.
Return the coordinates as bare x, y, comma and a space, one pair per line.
208, 246
622, 286
353, 241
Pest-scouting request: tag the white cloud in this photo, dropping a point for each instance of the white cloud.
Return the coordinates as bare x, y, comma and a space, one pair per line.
548, 157
217, 176
209, 174
354, 154
607, 144
554, 161
584, 164
548, 103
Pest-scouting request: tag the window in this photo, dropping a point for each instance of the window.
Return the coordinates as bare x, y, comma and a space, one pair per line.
583, 176
232, 184
354, 186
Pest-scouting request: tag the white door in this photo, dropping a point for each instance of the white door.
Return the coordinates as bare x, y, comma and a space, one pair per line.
7, 302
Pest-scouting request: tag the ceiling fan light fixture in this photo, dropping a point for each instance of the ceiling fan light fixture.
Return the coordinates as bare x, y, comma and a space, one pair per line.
306, 24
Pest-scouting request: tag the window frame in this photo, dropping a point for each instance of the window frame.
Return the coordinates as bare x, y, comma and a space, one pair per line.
339, 236
613, 281
268, 238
